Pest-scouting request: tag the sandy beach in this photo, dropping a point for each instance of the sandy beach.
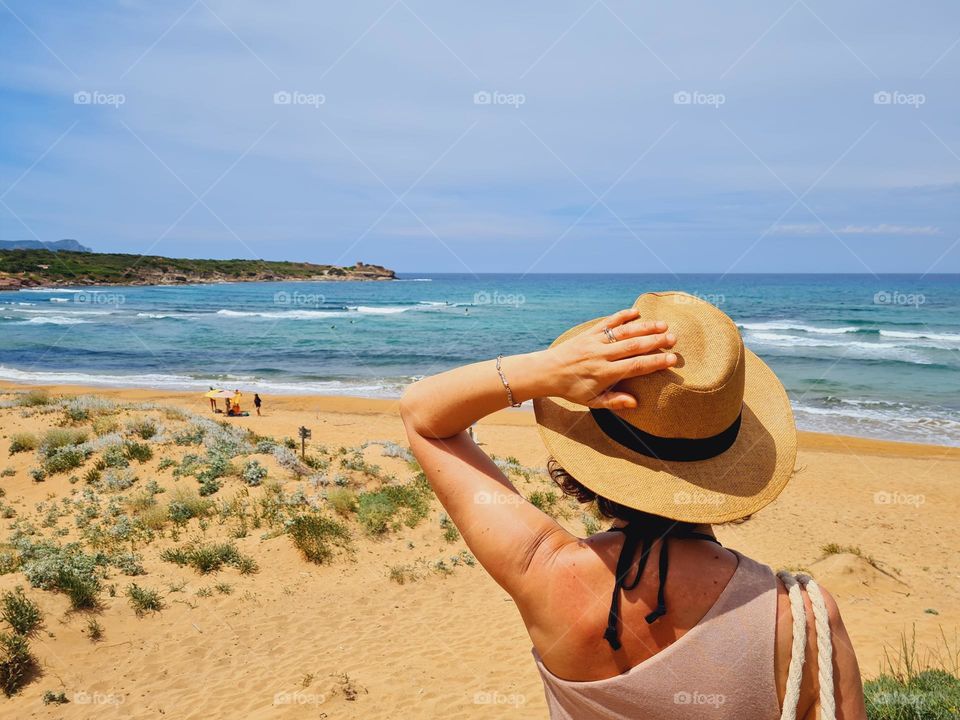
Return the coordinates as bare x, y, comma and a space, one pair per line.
344, 639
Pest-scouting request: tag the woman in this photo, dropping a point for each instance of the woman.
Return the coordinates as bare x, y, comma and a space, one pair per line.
661, 416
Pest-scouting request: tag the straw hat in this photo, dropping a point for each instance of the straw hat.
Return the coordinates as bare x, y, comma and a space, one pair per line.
712, 438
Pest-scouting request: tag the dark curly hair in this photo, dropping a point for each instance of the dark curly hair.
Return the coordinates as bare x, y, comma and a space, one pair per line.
614, 510
607, 507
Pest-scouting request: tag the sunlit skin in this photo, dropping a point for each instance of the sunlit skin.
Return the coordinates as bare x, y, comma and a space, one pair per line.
561, 583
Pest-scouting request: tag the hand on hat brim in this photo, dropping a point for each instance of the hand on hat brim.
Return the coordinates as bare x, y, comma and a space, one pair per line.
589, 365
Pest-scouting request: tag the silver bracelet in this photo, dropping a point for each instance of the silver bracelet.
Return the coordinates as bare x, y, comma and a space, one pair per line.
506, 385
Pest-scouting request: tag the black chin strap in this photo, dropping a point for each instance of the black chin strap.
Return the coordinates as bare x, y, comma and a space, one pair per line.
634, 535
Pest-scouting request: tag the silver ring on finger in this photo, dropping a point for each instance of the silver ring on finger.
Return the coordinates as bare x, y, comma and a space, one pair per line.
611, 337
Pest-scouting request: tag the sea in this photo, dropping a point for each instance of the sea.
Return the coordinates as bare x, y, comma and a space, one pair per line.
872, 356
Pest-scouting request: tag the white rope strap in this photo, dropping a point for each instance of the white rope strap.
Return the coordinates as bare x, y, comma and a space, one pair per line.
828, 709
797, 653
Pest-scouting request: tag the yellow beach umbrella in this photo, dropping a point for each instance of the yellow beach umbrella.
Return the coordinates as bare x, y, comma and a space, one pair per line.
213, 393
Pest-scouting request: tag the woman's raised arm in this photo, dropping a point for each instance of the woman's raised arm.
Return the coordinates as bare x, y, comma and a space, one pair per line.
510, 537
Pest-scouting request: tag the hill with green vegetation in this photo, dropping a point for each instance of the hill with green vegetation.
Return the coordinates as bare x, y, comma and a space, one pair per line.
32, 268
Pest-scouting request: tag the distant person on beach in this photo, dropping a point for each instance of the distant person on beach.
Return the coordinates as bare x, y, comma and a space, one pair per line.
660, 419
213, 402
257, 402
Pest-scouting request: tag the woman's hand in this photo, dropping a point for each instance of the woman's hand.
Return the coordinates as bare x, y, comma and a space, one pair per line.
587, 367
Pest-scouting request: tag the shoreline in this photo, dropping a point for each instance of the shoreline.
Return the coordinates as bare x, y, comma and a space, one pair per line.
513, 417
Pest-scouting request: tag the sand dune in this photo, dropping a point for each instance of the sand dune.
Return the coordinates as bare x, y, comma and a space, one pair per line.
344, 640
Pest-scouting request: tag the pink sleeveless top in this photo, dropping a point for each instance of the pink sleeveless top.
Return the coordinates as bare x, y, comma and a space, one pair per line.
721, 669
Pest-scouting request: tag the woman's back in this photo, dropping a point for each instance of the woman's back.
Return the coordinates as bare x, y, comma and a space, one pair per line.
725, 641
720, 663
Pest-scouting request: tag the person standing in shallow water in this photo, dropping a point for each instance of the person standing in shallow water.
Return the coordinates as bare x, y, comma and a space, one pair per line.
666, 424
256, 402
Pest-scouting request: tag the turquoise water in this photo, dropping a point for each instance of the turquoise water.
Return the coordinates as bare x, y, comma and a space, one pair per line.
876, 357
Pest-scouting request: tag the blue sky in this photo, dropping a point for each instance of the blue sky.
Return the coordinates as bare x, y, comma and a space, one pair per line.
547, 137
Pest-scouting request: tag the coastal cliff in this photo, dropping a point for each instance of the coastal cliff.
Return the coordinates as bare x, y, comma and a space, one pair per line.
24, 268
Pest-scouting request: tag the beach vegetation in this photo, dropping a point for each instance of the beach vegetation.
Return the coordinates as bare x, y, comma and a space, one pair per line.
65, 459
20, 612
94, 629
316, 536
186, 505
450, 532
105, 425
63, 568
16, 662
8, 472
118, 479
139, 451
115, 456
546, 501
192, 434
915, 684
143, 428
56, 438
143, 600
253, 473
38, 474
392, 506
403, 574
342, 500
34, 398
209, 557
23, 442
54, 698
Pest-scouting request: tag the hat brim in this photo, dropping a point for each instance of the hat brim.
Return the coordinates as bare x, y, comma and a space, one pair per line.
738, 482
